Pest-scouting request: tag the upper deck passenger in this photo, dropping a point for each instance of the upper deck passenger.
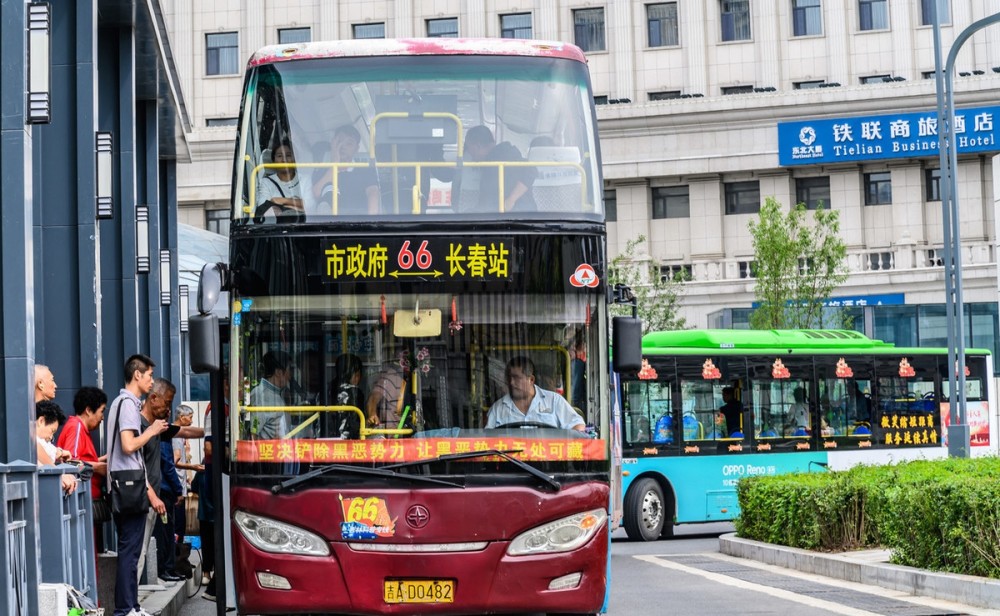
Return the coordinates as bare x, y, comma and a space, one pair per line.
278, 193
357, 186
479, 190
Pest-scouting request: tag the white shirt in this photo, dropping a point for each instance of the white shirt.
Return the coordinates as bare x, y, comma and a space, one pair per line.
268, 424
546, 407
272, 186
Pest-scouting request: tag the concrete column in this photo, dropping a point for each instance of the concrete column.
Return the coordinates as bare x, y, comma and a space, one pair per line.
404, 19
253, 34
990, 36
707, 229
475, 20
836, 26
768, 44
17, 275
902, 38
149, 169
182, 44
546, 21
692, 39
618, 28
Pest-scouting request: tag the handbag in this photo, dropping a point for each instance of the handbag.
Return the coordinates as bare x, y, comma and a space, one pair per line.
127, 487
102, 509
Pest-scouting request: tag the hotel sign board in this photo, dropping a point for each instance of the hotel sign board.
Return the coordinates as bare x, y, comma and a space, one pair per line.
882, 137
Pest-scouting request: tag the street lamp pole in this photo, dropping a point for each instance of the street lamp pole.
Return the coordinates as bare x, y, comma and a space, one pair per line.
958, 430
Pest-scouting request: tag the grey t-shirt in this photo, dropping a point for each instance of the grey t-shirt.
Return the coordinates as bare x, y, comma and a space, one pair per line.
124, 412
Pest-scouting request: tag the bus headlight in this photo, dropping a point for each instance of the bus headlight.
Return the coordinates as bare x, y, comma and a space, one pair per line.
559, 536
277, 537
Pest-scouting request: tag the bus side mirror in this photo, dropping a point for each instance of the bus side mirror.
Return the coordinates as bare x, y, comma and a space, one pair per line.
626, 344
203, 343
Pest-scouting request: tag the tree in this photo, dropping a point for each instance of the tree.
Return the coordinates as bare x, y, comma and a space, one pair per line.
797, 266
658, 297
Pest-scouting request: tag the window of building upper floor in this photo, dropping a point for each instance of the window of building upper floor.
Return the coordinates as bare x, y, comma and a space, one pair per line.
661, 24
878, 188
222, 53
671, 202
515, 26
217, 122
927, 12
813, 192
368, 31
807, 18
218, 221
742, 197
442, 28
665, 95
611, 205
727, 90
932, 184
735, 17
870, 79
873, 15
288, 36
588, 29
808, 85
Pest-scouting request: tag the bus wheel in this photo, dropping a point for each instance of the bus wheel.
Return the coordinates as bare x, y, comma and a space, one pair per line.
644, 511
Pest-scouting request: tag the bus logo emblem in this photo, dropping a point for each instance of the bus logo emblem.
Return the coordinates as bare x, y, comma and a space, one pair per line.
417, 516
584, 276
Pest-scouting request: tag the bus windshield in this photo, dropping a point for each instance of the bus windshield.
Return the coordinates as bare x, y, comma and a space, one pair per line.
385, 378
401, 136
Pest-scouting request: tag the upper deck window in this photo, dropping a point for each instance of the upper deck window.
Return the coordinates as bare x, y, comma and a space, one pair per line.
460, 136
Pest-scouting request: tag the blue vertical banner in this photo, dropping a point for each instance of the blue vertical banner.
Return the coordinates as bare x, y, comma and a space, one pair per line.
882, 137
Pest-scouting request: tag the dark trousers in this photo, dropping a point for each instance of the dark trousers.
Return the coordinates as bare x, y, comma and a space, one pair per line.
130, 529
164, 533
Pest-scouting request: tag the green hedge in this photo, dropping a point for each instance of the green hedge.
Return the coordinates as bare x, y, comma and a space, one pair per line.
941, 515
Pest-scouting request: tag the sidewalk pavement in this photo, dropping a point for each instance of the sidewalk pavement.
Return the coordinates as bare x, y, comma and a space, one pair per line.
869, 567
162, 599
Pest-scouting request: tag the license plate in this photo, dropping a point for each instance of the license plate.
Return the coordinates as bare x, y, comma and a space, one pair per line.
419, 591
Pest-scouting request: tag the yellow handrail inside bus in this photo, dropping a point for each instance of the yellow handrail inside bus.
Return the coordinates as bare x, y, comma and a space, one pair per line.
316, 410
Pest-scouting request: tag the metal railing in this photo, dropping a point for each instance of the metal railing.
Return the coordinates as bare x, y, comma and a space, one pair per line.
19, 566
66, 531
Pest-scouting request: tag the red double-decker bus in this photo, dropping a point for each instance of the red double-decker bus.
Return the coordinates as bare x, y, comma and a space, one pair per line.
420, 416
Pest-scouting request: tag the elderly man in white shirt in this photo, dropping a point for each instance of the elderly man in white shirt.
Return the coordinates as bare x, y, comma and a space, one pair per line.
527, 402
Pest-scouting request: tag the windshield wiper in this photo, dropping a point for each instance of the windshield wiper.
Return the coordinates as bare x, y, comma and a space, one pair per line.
358, 470
503, 453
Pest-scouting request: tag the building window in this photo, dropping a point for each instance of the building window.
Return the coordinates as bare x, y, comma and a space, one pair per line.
813, 192
222, 53
929, 74
808, 85
287, 36
727, 90
735, 20
665, 95
515, 26
874, 14
748, 269
927, 12
217, 221
932, 184
742, 197
807, 18
215, 122
601, 99
368, 31
878, 188
662, 24
610, 205
876, 79
671, 202
588, 29
443, 28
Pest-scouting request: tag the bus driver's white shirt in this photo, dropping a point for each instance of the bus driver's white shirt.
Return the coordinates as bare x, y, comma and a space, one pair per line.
546, 407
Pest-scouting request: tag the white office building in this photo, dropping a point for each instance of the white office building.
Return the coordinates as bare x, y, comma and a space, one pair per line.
706, 107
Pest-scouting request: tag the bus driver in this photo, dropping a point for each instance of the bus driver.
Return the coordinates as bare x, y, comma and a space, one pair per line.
527, 402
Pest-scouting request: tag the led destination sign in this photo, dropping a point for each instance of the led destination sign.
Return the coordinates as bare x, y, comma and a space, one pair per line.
900, 135
422, 259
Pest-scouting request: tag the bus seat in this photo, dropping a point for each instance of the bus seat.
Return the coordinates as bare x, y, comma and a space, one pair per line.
861, 429
557, 188
769, 433
800, 431
693, 430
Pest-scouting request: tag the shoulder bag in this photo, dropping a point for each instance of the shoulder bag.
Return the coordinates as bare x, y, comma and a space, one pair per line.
127, 487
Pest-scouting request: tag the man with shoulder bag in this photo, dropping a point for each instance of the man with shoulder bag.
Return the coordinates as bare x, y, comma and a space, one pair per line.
130, 491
